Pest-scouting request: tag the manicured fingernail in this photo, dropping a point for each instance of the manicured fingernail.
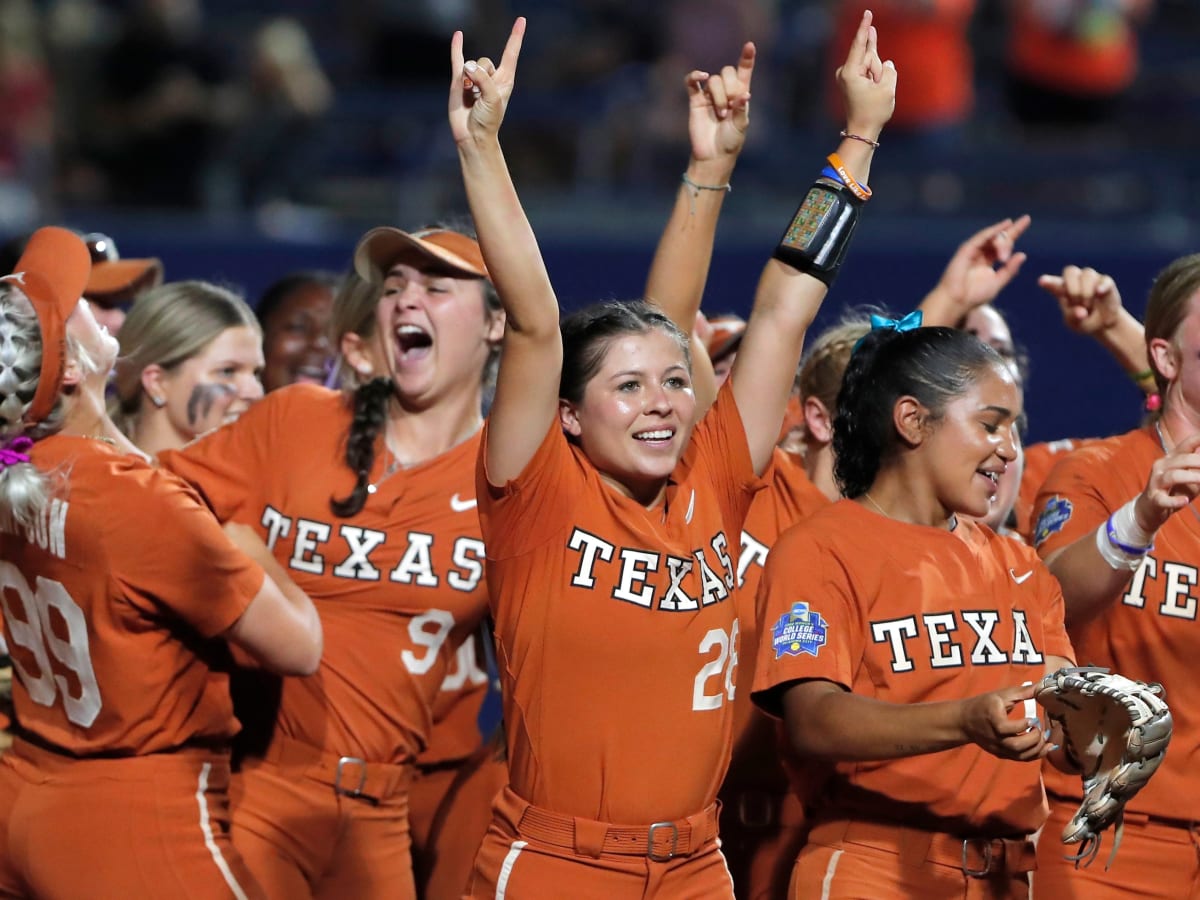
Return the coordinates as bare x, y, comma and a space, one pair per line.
1056, 747
471, 65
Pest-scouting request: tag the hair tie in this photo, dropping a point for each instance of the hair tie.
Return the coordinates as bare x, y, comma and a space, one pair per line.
13, 452
909, 323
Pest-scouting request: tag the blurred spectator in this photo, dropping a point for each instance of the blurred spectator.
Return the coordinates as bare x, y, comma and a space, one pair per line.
1071, 62
166, 99
270, 153
294, 313
115, 282
928, 42
27, 122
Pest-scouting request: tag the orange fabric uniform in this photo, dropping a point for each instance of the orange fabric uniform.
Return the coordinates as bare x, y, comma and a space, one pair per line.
1148, 632
398, 587
116, 783
1039, 460
761, 818
908, 614
617, 640
929, 45
446, 778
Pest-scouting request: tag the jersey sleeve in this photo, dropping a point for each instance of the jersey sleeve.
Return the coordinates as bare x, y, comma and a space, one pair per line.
720, 439
166, 551
1073, 501
536, 505
1055, 640
807, 625
226, 466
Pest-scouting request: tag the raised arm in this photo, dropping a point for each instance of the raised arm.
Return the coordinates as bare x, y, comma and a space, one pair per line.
718, 116
979, 270
526, 401
1091, 304
794, 282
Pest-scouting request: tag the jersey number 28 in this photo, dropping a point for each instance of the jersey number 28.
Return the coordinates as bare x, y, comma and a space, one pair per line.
725, 663
31, 630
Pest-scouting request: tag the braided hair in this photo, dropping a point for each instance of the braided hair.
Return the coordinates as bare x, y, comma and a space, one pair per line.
370, 402
24, 489
933, 365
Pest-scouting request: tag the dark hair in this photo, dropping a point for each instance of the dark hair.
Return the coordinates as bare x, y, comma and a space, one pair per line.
281, 289
933, 365
587, 333
370, 415
1167, 306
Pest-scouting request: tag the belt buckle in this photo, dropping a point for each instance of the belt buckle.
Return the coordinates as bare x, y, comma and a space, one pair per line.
356, 791
650, 841
756, 809
987, 859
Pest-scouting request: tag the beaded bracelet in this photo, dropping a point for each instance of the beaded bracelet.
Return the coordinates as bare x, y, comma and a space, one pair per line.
696, 186
859, 137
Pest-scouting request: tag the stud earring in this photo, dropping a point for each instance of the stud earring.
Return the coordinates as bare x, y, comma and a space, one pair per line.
158, 401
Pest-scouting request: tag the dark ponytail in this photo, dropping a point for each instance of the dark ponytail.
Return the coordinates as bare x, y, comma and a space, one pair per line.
933, 365
370, 415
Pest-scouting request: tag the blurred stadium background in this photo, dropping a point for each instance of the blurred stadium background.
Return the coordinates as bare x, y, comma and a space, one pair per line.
240, 140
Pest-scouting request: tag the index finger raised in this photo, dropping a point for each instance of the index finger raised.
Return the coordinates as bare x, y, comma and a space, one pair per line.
512, 49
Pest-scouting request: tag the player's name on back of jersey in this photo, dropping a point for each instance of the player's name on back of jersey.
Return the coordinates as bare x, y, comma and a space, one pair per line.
48, 531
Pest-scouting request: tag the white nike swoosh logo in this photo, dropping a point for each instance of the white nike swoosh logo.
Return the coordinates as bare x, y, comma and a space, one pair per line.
462, 505
1020, 579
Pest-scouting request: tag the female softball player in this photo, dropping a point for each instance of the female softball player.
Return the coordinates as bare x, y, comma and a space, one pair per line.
115, 582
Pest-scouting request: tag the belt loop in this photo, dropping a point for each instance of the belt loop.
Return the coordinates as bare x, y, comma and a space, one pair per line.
589, 837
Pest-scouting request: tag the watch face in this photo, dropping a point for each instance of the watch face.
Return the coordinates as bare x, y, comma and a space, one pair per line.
816, 206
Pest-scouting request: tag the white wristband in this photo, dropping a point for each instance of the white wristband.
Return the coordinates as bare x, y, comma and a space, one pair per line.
1114, 557
1125, 524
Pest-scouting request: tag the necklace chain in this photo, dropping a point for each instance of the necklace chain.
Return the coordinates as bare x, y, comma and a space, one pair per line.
950, 526
389, 469
871, 500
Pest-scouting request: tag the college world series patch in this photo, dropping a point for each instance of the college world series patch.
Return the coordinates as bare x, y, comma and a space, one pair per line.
799, 630
1055, 514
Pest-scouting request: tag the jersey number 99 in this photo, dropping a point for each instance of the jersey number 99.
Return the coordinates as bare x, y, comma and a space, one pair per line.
31, 630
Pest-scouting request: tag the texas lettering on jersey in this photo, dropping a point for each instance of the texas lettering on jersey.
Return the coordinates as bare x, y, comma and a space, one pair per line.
935, 633
316, 551
1176, 580
635, 580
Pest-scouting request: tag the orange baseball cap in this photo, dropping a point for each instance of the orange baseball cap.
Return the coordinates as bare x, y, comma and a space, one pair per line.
726, 336
381, 248
115, 280
52, 273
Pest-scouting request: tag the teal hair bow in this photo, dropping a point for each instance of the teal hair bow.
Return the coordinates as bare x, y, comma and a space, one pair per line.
908, 323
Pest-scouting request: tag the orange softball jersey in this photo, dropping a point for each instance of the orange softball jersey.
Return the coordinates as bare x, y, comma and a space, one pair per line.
92, 597
1148, 632
398, 586
910, 614
616, 626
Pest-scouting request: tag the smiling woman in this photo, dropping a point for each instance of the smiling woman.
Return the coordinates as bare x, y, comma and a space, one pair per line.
367, 495
883, 611
190, 360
